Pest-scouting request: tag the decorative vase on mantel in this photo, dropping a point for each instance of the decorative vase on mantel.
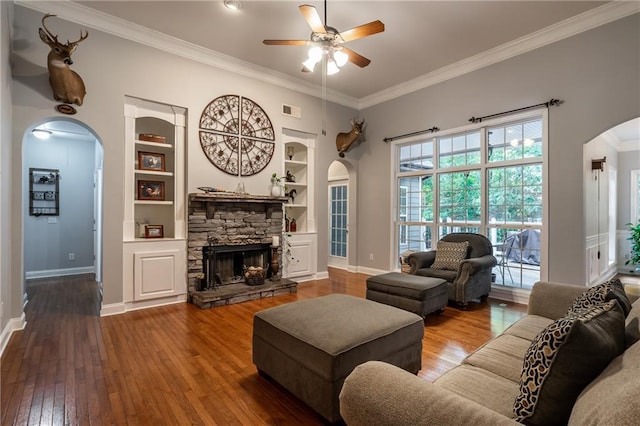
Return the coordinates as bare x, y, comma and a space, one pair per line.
277, 190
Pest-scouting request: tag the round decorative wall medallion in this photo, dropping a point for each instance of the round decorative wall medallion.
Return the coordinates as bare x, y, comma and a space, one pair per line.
66, 109
236, 135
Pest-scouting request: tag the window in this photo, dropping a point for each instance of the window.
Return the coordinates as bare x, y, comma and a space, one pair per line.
487, 180
338, 217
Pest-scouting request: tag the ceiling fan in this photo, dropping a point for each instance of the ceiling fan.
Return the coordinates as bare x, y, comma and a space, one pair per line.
326, 41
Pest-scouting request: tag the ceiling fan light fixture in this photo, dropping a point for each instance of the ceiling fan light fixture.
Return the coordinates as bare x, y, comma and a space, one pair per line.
332, 67
340, 57
309, 65
315, 53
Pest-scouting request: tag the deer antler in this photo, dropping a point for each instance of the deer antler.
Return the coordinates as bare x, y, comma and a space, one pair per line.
49, 33
82, 37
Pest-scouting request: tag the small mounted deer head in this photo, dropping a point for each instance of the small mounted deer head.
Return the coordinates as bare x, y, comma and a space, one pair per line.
345, 140
66, 84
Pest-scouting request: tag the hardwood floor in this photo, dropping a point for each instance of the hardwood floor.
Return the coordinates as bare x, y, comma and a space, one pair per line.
179, 365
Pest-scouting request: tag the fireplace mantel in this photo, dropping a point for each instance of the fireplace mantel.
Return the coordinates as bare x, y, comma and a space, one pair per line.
210, 200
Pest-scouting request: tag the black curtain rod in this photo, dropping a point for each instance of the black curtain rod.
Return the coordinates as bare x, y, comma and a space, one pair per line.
552, 102
406, 135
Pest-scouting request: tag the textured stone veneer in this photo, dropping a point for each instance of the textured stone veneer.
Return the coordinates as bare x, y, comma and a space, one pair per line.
232, 219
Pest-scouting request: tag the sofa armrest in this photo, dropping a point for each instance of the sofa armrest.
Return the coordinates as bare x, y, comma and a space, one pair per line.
382, 394
552, 300
421, 259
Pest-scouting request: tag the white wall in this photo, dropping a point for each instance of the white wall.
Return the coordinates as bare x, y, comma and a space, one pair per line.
627, 161
10, 295
112, 68
596, 73
47, 245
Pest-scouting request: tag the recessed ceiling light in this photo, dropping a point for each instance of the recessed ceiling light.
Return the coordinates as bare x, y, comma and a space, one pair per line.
232, 4
41, 133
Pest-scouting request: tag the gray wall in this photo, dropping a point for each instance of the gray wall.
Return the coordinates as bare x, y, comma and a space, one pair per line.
111, 68
10, 296
596, 73
47, 245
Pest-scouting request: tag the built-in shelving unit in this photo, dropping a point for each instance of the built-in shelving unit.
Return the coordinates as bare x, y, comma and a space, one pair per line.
299, 151
154, 231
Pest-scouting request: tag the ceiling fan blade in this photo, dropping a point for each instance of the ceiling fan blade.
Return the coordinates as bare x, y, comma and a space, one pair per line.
313, 19
286, 42
356, 58
362, 31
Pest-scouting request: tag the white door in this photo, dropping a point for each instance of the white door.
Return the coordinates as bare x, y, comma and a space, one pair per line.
338, 225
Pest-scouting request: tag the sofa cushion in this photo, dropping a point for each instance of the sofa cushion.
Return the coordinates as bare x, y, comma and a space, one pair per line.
481, 386
528, 327
610, 290
449, 276
563, 359
612, 398
501, 356
450, 255
632, 325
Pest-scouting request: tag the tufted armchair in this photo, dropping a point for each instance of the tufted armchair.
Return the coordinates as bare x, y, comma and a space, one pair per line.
472, 279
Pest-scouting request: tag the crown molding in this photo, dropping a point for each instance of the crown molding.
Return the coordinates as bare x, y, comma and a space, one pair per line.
569, 27
109, 24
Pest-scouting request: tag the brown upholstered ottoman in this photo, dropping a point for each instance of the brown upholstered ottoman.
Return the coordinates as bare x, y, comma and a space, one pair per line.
413, 293
310, 346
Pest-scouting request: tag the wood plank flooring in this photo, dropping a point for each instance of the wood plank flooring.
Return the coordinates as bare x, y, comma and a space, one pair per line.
179, 365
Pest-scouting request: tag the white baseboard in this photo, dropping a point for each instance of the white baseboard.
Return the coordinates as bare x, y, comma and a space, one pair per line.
510, 294
14, 324
46, 273
322, 275
121, 308
370, 271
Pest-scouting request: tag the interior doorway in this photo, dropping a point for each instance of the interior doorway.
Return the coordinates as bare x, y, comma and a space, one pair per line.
67, 240
341, 213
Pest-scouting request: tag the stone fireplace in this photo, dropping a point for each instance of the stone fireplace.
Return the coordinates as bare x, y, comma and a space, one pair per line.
228, 232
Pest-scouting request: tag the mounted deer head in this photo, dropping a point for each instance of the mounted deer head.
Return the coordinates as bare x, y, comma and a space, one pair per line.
345, 140
66, 84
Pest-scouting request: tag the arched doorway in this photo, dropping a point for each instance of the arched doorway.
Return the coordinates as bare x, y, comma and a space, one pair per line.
62, 221
341, 183
611, 187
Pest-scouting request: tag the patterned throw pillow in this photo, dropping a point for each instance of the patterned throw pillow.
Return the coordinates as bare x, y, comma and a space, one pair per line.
450, 255
563, 359
610, 290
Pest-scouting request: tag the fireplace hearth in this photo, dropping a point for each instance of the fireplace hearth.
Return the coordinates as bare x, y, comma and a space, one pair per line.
229, 232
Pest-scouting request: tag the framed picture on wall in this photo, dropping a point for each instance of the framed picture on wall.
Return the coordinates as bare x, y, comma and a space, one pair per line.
150, 190
153, 161
154, 231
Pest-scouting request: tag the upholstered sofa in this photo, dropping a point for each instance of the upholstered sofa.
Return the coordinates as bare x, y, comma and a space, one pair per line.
470, 278
485, 387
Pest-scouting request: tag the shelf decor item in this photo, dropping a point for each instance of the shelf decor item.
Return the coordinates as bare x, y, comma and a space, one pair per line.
151, 190
44, 189
154, 231
152, 161
149, 137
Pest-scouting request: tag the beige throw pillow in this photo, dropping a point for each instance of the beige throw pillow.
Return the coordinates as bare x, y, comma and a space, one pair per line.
450, 255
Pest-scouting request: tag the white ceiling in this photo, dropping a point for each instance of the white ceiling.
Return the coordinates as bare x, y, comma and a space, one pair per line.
423, 41
420, 37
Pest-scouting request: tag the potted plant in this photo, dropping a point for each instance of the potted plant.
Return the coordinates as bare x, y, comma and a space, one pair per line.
635, 244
